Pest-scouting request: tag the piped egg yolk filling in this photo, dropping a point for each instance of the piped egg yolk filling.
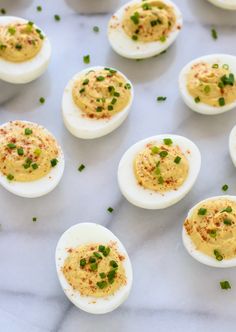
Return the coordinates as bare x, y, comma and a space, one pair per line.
149, 21
27, 152
213, 85
20, 42
212, 228
101, 93
95, 269
161, 167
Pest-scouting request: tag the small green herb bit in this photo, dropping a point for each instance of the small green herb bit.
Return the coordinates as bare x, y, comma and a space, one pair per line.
20, 151
101, 248
106, 251
227, 222
218, 256
86, 81
225, 187
28, 131
225, 284
177, 160
214, 33
34, 219
113, 264
160, 180
213, 233
86, 58
202, 212
135, 18
110, 209
42, 100
135, 37
81, 168
10, 177
34, 166
54, 162
11, 145
57, 18
100, 78
110, 108
167, 141
221, 101
93, 266
97, 255
207, 89
155, 149
99, 109
111, 276
39, 8
82, 262
92, 259
102, 275
102, 284
11, 30
163, 39
161, 98
197, 100
163, 154
127, 86
18, 47
228, 209
96, 28
215, 66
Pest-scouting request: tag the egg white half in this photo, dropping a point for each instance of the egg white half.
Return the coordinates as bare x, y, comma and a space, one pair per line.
225, 4
232, 145
200, 107
149, 199
40, 187
82, 234
128, 48
27, 71
191, 248
82, 126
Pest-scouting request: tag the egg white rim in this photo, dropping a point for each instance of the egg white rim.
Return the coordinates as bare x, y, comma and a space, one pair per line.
135, 193
72, 238
40, 187
224, 4
191, 248
140, 50
83, 127
189, 100
26, 71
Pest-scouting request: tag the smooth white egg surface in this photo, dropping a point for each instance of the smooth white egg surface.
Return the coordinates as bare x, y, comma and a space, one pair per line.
38, 187
150, 199
26, 71
85, 127
225, 4
191, 247
220, 60
232, 145
125, 46
80, 235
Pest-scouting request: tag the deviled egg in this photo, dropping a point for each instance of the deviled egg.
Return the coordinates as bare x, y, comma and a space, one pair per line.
25, 50
225, 4
142, 29
209, 231
159, 171
207, 84
93, 268
96, 101
31, 161
232, 145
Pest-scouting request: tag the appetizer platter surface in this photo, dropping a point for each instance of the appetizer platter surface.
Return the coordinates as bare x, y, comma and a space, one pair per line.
117, 165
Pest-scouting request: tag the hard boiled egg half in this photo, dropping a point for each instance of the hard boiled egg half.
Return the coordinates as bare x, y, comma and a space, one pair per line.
209, 231
96, 101
31, 161
225, 4
159, 171
93, 268
207, 84
25, 50
142, 29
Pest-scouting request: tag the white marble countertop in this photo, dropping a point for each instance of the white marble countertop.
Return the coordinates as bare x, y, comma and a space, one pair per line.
171, 291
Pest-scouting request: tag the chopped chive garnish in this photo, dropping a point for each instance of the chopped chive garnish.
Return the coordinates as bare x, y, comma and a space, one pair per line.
111, 276
214, 33
102, 275
227, 80
160, 180
18, 46
11, 146
93, 266
81, 168
57, 18
225, 284
116, 94
86, 81
110, 107
163, 39
100, 78
167, 141
225, 187
146, 6
197, 100
202, 212
114, 100
177, 160
92, 259
215, 66
102, 284
82, 262
111, 89
163, 154
82, 90
34, 166
106, 251
157, 171
97, 255
113, 264
127, 86
161, 98
207, 89
39, 8
11, 30
34, 219
218, 256
110, 209
86, 58
221, 101
228, 209
135, 18
227, 222
20, 151
225, 66
155, 149
101, 248
10, 177
54, 162
96, 29
212, 233
37, 152
135, 37
99, 109
42, 100
28, 131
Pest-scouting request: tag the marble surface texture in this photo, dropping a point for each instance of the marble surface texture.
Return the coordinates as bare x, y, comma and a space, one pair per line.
171, 291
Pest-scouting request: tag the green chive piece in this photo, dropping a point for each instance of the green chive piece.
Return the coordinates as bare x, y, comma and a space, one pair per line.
57, 18
160, 180
213, 233
106, 251
218, 256
10, 177
93, 266
110, 209
225, 187
86, 58
99, 109
86, 81
11, 30
92, 259
20, 151
146, 6
96, 29
197, 100
113, 264
207, 89
225, 66
34, 219
167, 141
127, 86
114, 100
135, 37
100, 78
116, 94
102, 275
161, 98
135, 18
155, 149
81, 168
163, 154
82, 262
227, 222
82, 90
215, 66
202, 212
214, 33
225, 284
110, 108
42, 100
111, 276
11, 146
54, 162
177, 160
39, 8
102, 284
162, 39
101, 248
221, 101
37, 152
34, 166
97, 255
28, 131
228, 80
228, 209
18, 47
